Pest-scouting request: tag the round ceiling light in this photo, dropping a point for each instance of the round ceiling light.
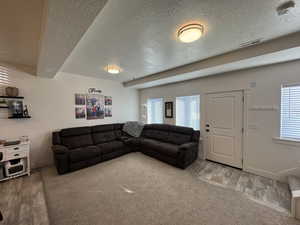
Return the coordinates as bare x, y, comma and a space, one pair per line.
190, 32
113, 69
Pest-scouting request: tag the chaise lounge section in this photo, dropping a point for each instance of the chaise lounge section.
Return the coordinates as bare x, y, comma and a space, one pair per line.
76, 148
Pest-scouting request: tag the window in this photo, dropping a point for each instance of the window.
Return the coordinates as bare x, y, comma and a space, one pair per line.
155, 110
290, 112
188, 111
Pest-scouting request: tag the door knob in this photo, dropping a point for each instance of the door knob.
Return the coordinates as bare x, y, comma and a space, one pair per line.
207, 130
207, 125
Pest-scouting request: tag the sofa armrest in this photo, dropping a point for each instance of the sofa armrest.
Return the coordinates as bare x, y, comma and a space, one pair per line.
60, 149
187, 146
61, 158
188, 152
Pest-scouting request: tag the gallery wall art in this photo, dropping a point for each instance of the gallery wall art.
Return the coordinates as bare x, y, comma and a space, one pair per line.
108, 100
79, 99
80, 112
168, 109
93, 105
108, 106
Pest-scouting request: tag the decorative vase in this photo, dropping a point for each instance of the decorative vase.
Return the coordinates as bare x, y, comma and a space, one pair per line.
12, 91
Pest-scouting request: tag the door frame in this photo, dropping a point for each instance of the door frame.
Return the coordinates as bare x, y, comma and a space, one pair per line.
244, 122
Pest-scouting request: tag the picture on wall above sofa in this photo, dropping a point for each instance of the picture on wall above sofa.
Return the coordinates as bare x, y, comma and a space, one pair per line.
108, 111
79, 99
80, 112
108, 100
94, 106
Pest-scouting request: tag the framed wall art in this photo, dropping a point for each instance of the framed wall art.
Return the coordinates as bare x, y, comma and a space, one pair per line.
168, 109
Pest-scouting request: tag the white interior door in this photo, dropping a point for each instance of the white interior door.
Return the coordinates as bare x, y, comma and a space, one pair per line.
224, 127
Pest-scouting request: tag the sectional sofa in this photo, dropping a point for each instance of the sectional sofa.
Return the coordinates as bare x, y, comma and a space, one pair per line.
76, 148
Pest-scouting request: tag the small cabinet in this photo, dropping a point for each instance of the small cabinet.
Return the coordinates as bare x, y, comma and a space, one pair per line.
13, 158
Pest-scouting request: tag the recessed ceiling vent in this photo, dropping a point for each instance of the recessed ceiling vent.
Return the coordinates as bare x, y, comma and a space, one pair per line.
285, 7
250, 43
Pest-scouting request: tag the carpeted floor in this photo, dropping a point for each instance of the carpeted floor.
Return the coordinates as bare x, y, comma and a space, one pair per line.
138, 190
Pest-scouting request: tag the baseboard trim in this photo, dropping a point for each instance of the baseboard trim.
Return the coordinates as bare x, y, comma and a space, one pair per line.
261, 172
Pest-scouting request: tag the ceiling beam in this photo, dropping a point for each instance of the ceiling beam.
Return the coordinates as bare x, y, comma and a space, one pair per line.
224, 63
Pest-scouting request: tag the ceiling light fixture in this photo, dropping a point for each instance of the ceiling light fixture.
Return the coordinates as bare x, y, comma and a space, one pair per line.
190, 32
113, 69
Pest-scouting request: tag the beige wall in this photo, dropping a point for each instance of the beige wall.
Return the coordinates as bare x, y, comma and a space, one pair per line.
51, 105
262, 154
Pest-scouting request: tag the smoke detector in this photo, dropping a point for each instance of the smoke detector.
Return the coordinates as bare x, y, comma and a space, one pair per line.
285, 7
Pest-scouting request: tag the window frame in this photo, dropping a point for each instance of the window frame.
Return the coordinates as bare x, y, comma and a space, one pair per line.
176, 114
162, 111
282, 139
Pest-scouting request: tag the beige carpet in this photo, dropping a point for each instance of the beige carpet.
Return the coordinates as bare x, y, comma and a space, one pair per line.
138, 190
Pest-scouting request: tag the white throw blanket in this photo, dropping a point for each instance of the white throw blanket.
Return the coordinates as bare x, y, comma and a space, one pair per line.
133, 128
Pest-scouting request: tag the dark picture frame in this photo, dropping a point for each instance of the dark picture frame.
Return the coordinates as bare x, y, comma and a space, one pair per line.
168, 109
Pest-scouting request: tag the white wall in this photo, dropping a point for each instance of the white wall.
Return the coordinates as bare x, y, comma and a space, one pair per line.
51, 105
262, 154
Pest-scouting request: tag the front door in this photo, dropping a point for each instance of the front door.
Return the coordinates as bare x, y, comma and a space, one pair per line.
224, 127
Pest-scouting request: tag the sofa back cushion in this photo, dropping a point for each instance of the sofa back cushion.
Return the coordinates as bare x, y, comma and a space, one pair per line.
156, 131
103, 133
180, 135
118, 127
76, 137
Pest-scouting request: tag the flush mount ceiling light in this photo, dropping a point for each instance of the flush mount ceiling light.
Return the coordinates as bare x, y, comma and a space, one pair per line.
113, 69
190, 32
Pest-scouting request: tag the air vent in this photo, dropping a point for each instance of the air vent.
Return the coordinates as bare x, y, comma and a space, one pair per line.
285, 7
250, 43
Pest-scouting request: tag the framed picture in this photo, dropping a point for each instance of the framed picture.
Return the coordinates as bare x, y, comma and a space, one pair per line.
79, 99
108, 100
108, 111
80, 112
169, 109
95, 106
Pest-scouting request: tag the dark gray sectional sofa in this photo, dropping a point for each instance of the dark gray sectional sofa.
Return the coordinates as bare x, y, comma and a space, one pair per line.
76, 148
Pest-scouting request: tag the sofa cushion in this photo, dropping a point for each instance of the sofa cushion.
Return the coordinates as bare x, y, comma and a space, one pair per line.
180, 135
181, 130
156, 131
178, 138
103, 137
77, 141
76, 131
102, 128
161, 147
84, 153
110, 146
156, 134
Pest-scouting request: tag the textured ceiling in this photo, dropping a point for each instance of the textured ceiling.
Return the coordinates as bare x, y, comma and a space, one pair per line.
140, 35
65, 22
20, 27
282, 49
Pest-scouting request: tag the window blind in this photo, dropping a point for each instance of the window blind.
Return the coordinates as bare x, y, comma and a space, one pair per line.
290, 112
188, 111
155, 110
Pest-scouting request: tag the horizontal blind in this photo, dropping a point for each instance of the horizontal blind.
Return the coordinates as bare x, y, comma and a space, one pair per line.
290, 112
155, 110
188, 111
